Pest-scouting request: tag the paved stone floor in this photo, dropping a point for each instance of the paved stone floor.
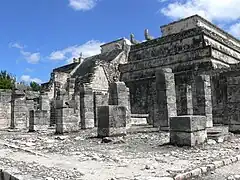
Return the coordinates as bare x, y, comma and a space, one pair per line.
81, 156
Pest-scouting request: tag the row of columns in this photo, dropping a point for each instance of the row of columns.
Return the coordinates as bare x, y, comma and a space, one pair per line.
182, 94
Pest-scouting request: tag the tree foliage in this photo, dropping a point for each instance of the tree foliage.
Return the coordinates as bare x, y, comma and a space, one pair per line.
35, 86
7, 80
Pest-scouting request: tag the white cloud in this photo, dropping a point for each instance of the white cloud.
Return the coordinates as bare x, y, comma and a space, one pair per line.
90, 48
162, 0
235, 30
16, 45
213, 10
82, 5
32, 58
28, 79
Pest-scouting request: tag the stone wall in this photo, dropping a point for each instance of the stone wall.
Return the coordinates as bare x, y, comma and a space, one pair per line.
5, 108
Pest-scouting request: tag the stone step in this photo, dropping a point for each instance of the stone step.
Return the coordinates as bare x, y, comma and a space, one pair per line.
222, 129
218, 133
142, 129
139, 119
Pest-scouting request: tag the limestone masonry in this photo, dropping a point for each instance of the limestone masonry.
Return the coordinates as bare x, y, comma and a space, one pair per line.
186, 82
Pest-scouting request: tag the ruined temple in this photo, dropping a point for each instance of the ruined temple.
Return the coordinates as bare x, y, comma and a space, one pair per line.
192, 70
202, 67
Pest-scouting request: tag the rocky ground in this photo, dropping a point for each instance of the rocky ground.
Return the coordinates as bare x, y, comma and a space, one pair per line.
82, 156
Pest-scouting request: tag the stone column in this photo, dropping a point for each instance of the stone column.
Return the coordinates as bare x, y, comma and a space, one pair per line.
119, 95
199, 97
100, 99
20, 113
86, 107
204, 93
166, 98
112, 120
44, 102
186, 94
31, 120
188, 130
52, 113
67, 118
189, 97
38, 120
71, 87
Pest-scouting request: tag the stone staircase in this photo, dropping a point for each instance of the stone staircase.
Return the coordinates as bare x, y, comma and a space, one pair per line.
139, 119
218, 133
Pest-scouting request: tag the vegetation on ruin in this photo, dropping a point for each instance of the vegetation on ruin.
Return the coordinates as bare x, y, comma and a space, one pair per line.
7, 80
35, 86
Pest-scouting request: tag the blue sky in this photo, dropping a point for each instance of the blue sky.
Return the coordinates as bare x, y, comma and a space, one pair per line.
39, 35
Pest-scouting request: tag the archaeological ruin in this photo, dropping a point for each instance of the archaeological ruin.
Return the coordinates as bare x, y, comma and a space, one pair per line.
186, 82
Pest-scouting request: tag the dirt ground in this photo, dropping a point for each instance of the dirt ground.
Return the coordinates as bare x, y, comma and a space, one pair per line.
82, 156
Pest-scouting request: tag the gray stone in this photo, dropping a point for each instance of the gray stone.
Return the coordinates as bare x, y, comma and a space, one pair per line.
112, 120
188, 138
188, 123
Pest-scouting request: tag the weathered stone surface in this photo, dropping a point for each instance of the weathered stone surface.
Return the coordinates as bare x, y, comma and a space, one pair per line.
86, 107
100, 99
39, 120
67, 120
189, 123
67, 116
20, 111
188, 130
165, 106
5, 108
112, 120
119, 95
139, 119
188, 138
44, 102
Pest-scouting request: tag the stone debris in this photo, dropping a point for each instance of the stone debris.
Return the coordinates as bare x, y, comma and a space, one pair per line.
106, 140
233, 177
137, 154
211, 142
36, 171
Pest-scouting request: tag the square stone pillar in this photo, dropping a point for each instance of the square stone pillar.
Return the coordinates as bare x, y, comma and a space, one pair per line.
44, 102
188, 130
39, 120
119, 95
67, 118
86, 107
20, 113
190, 98
100, 99
204, 98
165, 106
186, 94
194, 97
70, 87
112, 120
